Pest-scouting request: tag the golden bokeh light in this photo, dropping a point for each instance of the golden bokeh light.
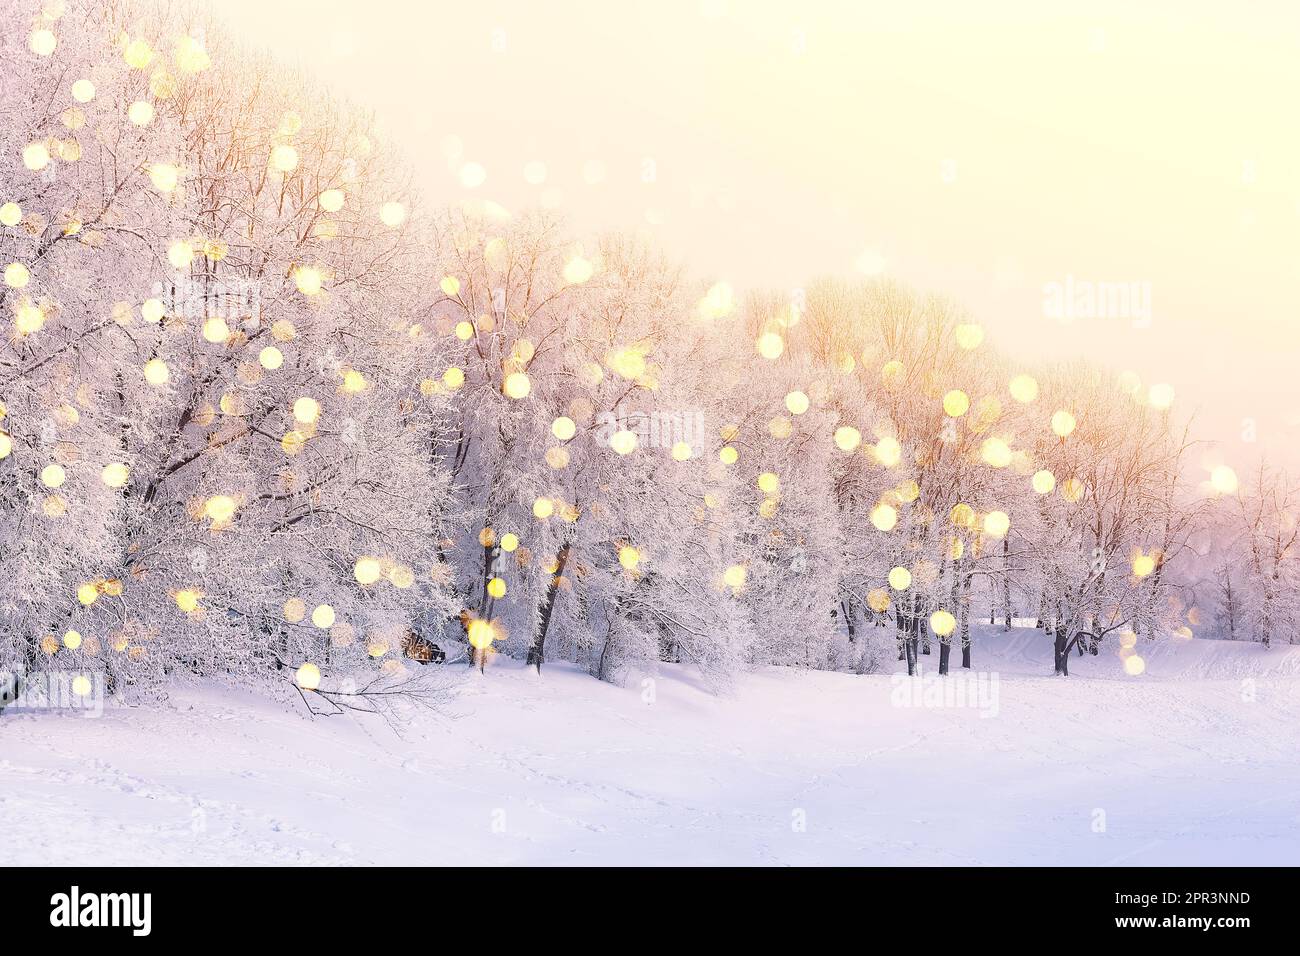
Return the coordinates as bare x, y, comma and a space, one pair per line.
578, 271
295, 610
517, 385
1223, 480
943, 623
1063, 423
847, 438
1143, 565
115, 474
888, 451
367, 570
623, 442
996, 524
1161, 396
995, 453
968, 336
481, 634
306, 410
53, 476
884, 517
308, 677
900, 578
1024, 389
770, 345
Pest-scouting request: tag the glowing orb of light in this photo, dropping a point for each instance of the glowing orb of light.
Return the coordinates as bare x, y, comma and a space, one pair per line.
996, 453
367, 570
956, 403
115, 474
942, 623
481, 634
1223, 479
36, 157
996, 523
900, 579
1161, 396
884, 517
623, 442
969, 336
770, 345
1024, 389
308, 280
847, 438
517, 385
1063, 423
563, 428
577, 271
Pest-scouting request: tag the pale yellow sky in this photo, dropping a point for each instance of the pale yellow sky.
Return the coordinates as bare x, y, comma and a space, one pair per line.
981, 151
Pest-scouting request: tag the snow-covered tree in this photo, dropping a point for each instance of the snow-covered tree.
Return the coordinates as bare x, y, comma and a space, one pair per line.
213, 426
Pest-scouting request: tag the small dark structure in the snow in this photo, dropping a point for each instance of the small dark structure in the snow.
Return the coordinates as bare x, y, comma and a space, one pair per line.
11, 688
418, 649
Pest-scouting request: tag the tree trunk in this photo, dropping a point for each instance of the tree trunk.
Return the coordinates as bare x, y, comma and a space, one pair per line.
954, 599
848, 619
913, 622
537, 653
965, 622
1062, 653
485, 601
31, 654
601, 668
1006, 584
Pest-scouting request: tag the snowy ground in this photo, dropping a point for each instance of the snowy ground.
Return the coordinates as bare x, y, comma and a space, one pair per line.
1194, 762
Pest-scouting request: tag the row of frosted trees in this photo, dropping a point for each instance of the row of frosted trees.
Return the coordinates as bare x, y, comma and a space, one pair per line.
264, 416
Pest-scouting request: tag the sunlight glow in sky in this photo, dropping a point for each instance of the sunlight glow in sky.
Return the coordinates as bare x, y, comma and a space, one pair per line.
1015, 157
